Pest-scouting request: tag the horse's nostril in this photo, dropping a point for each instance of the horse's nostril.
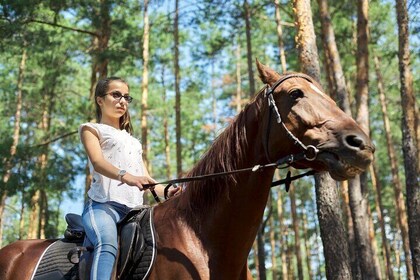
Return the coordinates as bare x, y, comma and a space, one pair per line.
355, 141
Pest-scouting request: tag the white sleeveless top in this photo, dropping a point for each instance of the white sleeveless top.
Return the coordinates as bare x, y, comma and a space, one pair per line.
124, 152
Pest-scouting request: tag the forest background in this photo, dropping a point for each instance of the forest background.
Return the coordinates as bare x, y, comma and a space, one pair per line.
191, 68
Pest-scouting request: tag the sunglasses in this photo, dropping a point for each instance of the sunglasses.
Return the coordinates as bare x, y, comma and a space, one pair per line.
117, 96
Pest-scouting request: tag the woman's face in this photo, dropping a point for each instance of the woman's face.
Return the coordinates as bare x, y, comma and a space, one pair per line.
113, 104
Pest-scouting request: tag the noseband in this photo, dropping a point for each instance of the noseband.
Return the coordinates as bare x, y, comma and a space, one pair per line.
309, 152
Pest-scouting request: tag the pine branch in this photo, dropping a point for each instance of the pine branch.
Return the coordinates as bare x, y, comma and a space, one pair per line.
65, 27
56, 138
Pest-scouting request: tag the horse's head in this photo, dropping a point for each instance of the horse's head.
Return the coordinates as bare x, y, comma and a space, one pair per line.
314, 119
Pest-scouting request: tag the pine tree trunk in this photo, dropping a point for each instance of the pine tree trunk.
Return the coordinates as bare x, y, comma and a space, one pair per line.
280, 36
328, 37
16, 132
166, 129
329, 216
305, 39
350, 230
409, 142
396, 182
272, 234
295, 221
283, 232
358, 191
38, 212
307, 244
247, 17
214, 97
145, 86
177, 94
261, 252
374, 244
380, 213
257, 265
238, 97
34, 215
22, 216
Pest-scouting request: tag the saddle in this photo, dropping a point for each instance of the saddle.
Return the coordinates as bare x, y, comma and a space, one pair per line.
136, 252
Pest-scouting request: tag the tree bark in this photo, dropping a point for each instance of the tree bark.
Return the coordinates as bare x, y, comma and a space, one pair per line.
307, 244
177, 94
306, 39
34, 215
261, 252
332, 231
409, 128
380, 212
280, 37
283, 232
358, 191
330, 220
238, 97
272, 234
396, 182
295, 222
257, 265
145, 85
247, 17
328, 37
166, 129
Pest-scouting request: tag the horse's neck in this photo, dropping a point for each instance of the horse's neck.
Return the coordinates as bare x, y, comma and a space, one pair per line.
223, 214
243, 195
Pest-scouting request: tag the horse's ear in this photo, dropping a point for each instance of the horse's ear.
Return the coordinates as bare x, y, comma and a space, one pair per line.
267, 75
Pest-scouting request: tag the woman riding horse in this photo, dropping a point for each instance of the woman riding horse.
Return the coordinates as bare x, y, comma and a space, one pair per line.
208, 230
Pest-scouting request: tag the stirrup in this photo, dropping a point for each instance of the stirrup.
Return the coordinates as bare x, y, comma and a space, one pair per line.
74, 254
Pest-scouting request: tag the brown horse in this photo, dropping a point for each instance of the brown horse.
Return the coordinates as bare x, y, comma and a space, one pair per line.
208, 230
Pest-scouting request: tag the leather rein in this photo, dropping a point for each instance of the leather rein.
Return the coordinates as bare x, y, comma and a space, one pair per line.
309, 152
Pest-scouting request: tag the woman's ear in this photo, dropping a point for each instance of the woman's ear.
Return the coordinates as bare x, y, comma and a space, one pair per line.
99, 100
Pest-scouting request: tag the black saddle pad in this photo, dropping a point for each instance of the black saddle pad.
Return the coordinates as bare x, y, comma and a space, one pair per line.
54, 265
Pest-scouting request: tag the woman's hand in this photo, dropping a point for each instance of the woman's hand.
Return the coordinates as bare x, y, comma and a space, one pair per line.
137, 181
174, 190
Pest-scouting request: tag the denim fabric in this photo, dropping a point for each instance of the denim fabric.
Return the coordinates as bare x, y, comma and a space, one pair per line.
100, 223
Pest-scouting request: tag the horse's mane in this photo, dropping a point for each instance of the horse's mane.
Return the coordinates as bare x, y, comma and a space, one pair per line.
226, 153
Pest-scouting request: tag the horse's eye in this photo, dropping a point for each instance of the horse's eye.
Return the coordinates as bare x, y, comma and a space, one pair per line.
296, 94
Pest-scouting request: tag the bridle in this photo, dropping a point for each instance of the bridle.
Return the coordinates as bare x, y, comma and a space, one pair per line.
309, 152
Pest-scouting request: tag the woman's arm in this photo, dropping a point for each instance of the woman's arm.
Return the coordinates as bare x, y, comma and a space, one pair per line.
160, 189
90, 141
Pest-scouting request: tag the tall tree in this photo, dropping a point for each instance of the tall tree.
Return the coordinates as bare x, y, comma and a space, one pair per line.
177, 93
247, 18
238, 97
145, 84
400, 209
295, 220
280, 36
328, 37
282, 240
358, 189
409, 128
329, 215
380, 213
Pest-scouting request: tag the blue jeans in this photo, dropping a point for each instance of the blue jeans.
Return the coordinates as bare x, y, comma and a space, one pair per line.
100, 223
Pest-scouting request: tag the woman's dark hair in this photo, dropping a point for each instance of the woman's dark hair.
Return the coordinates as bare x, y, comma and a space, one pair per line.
100, 91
